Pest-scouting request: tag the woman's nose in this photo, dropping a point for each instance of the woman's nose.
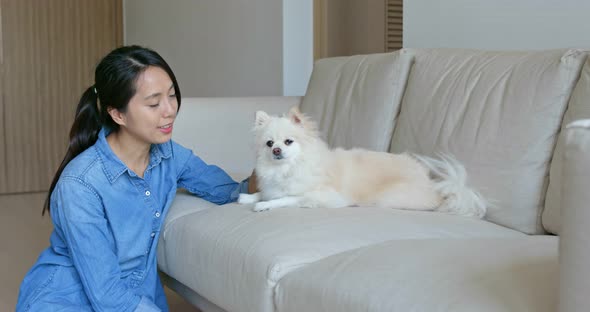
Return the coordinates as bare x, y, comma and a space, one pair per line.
170, 107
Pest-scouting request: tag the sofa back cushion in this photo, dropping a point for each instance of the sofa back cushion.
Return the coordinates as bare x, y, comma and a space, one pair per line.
497, 112
355, 99
578, 108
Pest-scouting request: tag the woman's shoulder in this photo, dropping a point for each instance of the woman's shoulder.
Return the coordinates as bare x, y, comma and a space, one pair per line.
177, 150
180, 155
78, 179
82, 165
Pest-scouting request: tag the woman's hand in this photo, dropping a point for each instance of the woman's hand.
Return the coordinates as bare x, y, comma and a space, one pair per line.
252, 184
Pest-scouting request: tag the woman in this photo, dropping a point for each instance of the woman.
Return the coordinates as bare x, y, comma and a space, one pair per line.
113, 189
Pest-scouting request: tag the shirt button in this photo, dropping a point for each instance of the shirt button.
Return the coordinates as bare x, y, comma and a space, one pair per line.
147, 193
153, 234
157, 214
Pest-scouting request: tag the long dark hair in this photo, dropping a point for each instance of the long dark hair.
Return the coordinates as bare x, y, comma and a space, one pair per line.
115, 80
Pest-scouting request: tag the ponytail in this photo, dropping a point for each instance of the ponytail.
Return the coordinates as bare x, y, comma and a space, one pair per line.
83, 134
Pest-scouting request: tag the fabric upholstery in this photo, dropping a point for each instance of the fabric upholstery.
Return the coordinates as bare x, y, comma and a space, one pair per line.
578, 108
235, 257
484, 275
498, 113
574, 254
355, 99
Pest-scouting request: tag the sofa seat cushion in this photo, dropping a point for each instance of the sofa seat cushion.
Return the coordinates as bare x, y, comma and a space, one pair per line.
234, 257
429, 275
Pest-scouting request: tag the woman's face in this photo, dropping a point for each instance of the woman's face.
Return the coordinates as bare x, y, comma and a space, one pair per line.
151, 111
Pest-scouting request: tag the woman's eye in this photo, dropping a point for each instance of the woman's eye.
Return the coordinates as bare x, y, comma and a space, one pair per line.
172, 95
288, 141
154, 105
269, 143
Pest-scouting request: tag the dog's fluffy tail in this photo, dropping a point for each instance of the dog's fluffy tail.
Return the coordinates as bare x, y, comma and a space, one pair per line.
450, 179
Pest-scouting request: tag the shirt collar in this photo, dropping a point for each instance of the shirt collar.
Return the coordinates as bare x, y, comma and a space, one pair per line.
113, 167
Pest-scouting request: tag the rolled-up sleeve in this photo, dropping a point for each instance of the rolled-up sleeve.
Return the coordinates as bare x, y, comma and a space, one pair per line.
79, 215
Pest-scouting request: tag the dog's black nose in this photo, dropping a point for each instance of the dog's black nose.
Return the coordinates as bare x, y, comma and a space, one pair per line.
276, 151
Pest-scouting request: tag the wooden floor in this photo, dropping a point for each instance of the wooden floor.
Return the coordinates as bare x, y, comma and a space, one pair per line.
24, 234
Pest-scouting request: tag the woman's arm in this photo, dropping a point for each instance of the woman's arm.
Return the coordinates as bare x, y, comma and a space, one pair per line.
79, 215
206, 181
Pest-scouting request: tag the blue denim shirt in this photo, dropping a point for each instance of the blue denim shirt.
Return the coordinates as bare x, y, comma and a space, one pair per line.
107, 221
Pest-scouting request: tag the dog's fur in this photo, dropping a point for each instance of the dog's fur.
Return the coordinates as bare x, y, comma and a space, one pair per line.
295, 168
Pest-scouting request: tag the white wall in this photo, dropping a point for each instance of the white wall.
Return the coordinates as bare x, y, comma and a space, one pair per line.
297, 45
227, 47
497, 24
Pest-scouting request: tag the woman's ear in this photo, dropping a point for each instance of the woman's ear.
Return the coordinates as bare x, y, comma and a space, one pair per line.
117, 116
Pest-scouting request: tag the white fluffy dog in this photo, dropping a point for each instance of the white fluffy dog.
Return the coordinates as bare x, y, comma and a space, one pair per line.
295, 168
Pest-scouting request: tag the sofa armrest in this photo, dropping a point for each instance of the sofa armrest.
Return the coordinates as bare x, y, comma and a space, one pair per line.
574, 246
219, 129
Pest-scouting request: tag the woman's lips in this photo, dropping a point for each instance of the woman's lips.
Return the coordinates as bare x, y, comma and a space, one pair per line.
166, 129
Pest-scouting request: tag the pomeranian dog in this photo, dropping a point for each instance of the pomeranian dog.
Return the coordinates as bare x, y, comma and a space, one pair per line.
296, 168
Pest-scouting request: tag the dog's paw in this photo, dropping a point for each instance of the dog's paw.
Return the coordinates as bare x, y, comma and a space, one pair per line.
248, 198
262, 206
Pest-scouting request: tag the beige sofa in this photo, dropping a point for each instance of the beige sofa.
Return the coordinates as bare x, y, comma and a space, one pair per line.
502, 114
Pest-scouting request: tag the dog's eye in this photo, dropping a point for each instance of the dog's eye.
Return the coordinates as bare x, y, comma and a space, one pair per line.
269, 143
288, 141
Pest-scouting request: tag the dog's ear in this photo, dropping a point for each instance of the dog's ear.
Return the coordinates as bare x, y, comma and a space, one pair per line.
261, 119
298, 118
295, 115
